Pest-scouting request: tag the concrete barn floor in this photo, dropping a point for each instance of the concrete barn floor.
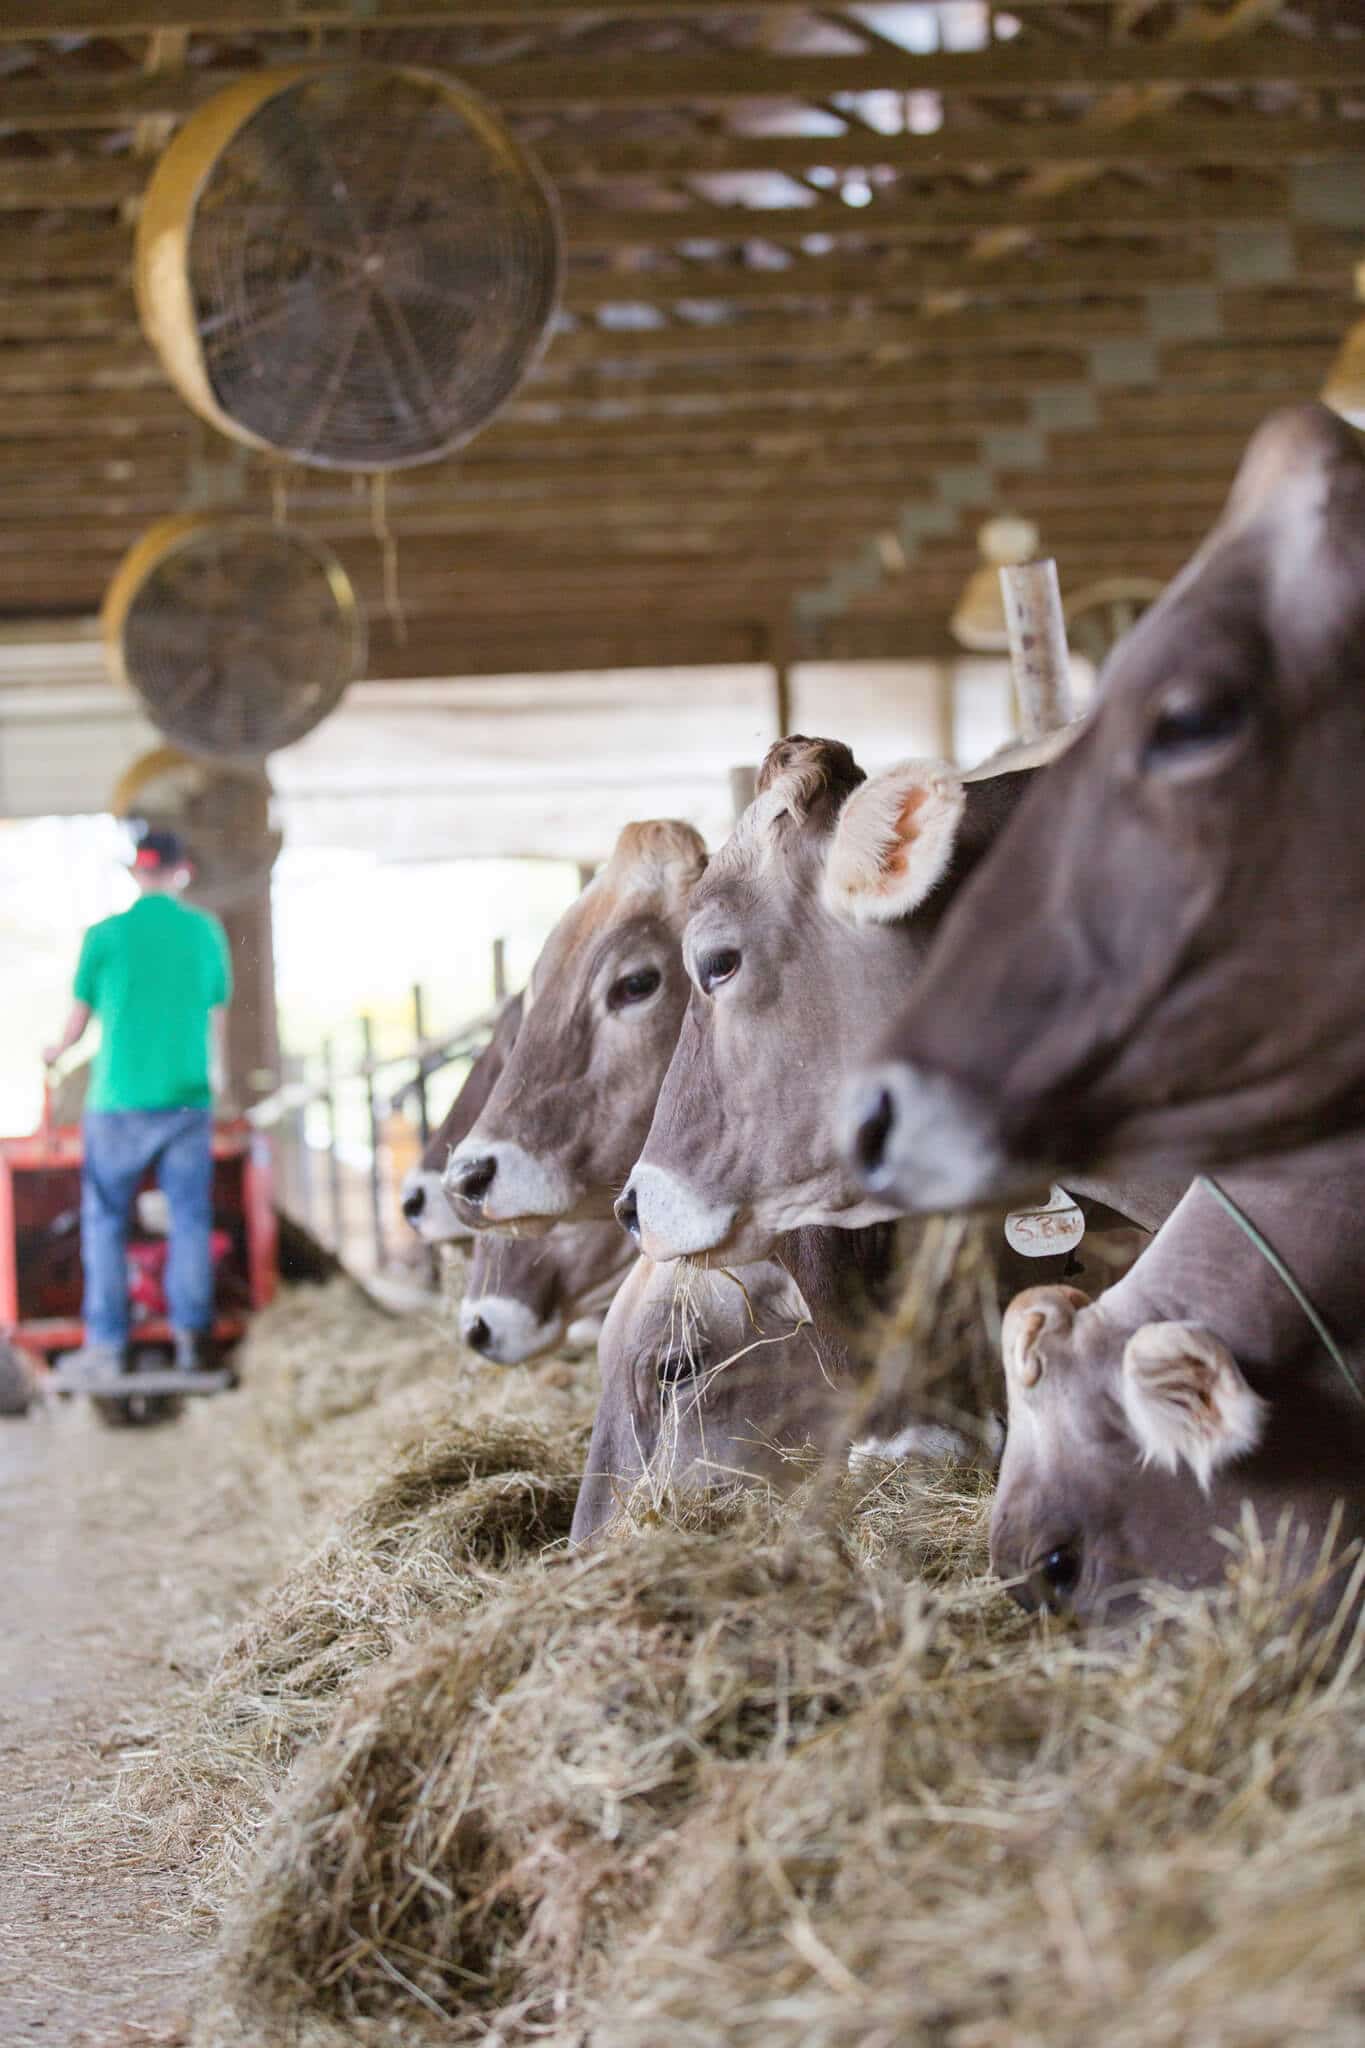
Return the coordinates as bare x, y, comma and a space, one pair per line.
126, 1553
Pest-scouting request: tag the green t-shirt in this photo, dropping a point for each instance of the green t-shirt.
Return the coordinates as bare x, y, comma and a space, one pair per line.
151, 976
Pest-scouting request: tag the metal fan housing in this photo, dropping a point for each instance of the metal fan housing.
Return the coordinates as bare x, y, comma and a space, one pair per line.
237, 635
354, 265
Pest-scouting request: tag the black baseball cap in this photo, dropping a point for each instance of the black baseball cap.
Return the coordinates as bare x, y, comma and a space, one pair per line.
159, 852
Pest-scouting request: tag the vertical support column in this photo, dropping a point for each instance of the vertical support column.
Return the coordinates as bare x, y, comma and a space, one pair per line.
253, 1035
945, 724
779, 655
372, 1108
499, 970
419, 1032
742, 782
334, 1192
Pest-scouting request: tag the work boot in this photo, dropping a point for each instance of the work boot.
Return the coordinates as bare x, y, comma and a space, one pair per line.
91, 1362
193, 1350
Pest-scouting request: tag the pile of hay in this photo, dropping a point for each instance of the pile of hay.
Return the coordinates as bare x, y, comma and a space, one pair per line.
764, 1782
409, 1478
760, 1781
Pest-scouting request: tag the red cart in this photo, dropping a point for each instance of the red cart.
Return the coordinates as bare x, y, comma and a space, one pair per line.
40, 1269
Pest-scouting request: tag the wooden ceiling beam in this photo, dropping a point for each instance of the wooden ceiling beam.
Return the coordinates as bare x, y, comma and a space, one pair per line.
23, 20
1176, 206
1177, 138
1024, 68
40, 186
1322, 258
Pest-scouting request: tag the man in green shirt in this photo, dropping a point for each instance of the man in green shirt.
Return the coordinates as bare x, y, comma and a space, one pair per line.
158, 979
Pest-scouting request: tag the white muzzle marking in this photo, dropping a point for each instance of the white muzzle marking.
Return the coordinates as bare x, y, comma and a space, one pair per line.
514, 1332
523, 1190
435, 1222
933, 1147
675, 1221
583, 1333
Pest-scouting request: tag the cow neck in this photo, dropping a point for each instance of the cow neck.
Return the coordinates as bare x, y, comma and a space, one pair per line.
1202, 1267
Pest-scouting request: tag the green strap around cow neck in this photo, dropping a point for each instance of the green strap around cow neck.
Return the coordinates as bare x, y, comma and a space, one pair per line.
1277, 1265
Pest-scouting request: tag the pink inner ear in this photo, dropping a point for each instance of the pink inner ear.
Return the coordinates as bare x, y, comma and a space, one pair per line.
894, 866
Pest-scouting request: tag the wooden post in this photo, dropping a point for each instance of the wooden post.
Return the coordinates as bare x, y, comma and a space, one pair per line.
1038, 652
742, 782
334, 1192
372, 1107
253, 1042
419, 1028
945, 723
499, 970
586, 870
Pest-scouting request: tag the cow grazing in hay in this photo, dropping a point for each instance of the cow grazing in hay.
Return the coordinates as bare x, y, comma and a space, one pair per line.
1143, 1425
718, 1377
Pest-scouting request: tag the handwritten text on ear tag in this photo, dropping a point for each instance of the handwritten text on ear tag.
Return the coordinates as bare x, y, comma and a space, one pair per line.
1041, 1233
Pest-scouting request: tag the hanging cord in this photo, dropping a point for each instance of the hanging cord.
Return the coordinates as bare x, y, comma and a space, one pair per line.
1278, 1266
388, 555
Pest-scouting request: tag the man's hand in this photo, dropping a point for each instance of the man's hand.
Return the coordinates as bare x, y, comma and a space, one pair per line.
74, 1032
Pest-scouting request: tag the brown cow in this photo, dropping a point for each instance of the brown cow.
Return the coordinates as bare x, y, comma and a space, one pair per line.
523, 1296
424, 1202
1164, 957
1140, 1426
567, 1115
806, 929
718, 1377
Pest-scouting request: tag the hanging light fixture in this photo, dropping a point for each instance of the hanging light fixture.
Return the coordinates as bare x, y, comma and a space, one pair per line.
1344, 390
979, 620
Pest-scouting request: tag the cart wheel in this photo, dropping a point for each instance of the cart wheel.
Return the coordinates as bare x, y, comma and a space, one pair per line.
140, 1411
16, 1381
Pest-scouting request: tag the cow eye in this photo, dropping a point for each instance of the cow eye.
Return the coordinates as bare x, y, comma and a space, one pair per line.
717, 967
1191, 726
633, 988
676, 1366
1059, 1574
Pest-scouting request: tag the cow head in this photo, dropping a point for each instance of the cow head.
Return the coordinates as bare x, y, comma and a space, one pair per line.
564, 1121
803, 933
708, 1379
1164, 956
1130, 1451
526, 1295
424, 1199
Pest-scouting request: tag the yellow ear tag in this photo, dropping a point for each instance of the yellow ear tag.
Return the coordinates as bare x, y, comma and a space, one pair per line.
1041, 1233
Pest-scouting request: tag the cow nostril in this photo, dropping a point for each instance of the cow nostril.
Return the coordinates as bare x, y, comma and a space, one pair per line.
873, 1130
472, 1178
413, 1203
478, 1336
628, 1214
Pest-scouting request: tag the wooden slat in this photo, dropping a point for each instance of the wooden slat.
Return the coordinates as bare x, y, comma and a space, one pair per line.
1029, 68
1180, 203
1175, 139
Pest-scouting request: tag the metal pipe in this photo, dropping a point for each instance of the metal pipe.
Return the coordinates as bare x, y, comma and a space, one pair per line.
419, 1029
372, 1108
1038, 652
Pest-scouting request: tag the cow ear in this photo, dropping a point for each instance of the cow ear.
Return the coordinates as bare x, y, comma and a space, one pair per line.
1034, 1321
1186, 1401
893, 842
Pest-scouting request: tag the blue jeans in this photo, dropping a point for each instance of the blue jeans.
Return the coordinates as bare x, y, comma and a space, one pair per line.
120, 1146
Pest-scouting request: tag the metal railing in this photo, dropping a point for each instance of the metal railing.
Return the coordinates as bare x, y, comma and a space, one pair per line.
344, 1134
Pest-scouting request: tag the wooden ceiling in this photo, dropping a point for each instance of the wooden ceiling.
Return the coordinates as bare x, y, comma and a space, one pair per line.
842, 282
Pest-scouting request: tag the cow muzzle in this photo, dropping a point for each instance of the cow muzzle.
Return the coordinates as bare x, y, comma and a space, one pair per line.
919, 1141
670, 1220
425, 1207
493, 1185
506, 1331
